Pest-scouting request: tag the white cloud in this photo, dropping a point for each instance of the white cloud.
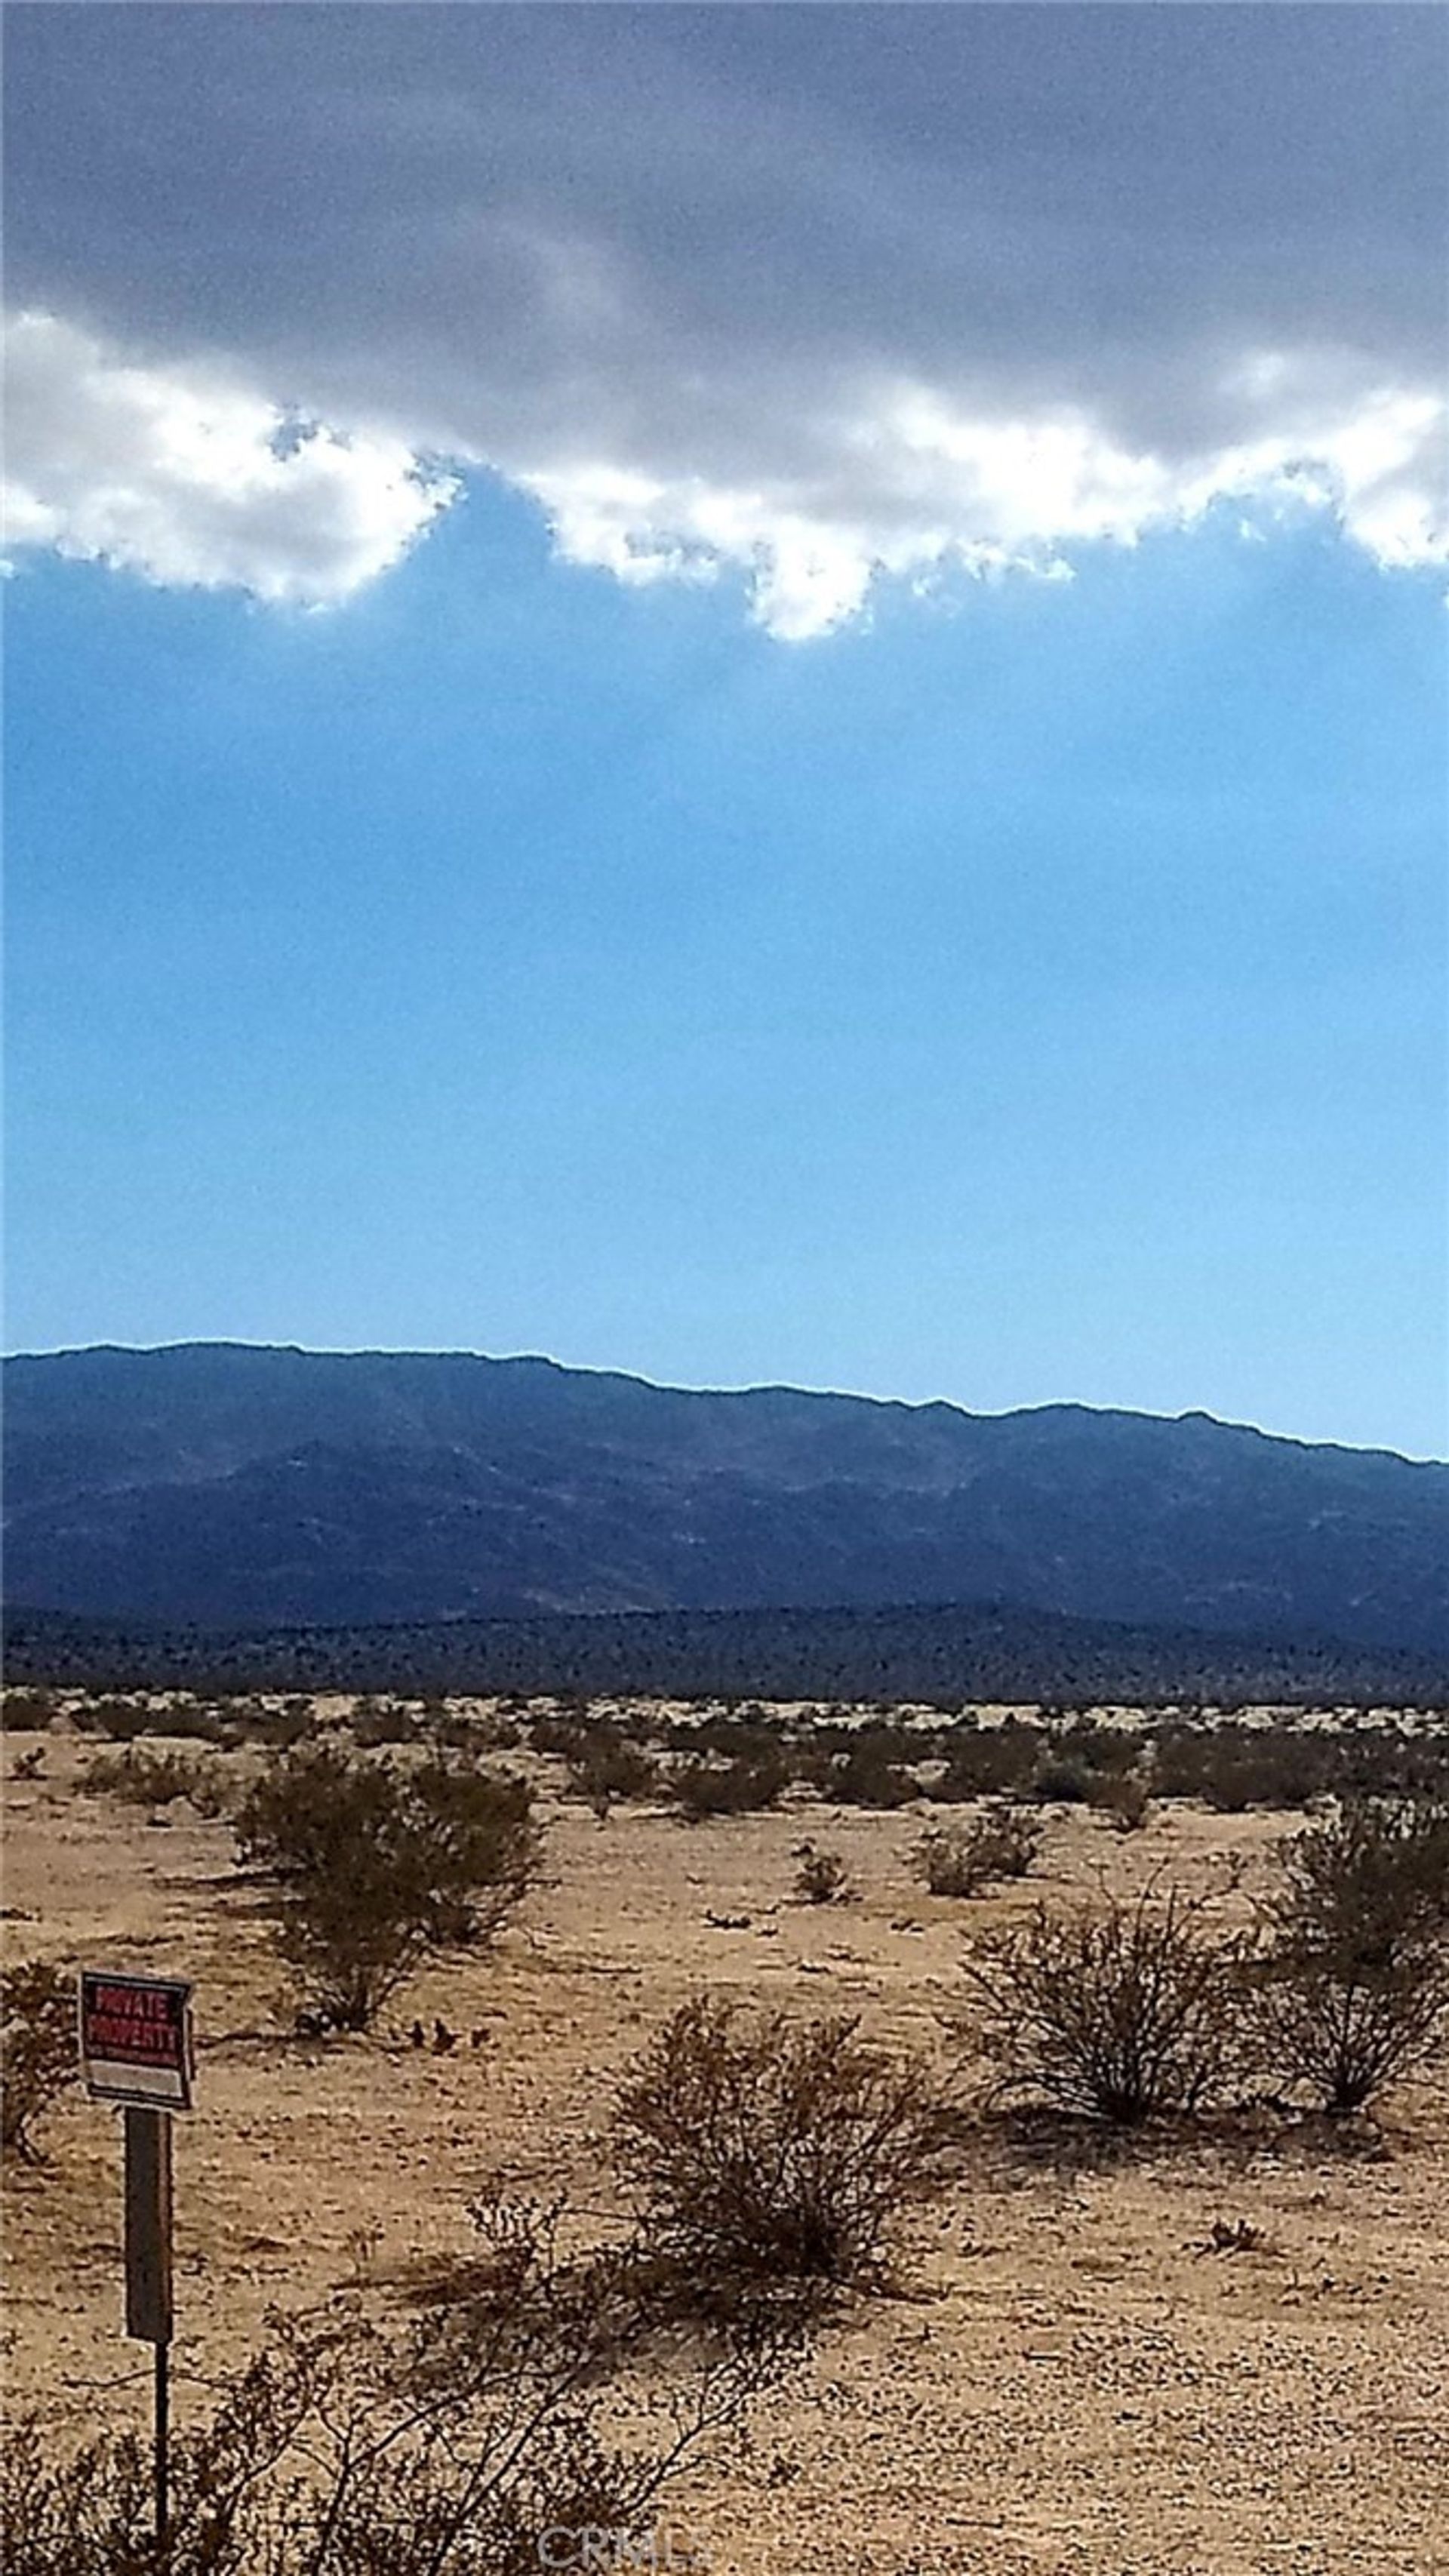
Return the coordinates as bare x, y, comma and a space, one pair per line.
185, 476
816, 299
926, 487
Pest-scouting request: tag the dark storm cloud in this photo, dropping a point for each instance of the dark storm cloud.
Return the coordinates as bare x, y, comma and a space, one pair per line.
817, 290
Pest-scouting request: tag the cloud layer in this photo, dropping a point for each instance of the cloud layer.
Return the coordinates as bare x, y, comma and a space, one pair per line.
187, 477
813, 296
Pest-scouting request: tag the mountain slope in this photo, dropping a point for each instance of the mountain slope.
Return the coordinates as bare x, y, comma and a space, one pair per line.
231, 1486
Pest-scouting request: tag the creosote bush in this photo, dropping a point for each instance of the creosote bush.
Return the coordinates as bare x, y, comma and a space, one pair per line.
761, 2152
1352, 1987
38, 2048
1123, 1800
376, 1863
1233, 1768
1001, 1842
1117, 2010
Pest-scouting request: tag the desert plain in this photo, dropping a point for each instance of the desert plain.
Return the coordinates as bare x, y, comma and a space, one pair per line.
1225, 2354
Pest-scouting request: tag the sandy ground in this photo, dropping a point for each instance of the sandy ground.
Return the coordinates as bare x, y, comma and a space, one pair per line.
1081, 2388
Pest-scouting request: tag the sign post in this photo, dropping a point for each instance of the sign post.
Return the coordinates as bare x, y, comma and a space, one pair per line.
137, 2051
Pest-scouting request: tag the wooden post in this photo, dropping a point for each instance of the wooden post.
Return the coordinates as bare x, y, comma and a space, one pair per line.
148, 2276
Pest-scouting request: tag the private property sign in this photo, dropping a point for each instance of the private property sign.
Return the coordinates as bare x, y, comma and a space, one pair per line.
135, 2035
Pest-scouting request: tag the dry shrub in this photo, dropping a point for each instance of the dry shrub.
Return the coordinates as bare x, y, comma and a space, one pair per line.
1118, 2009
24, 1708
733, 1734
374, 1865
739, 1788
609, 1769
984, 1761
1000, 1843
561, 1736
500, 2437
144, 1778
761, 2152
1352, 1989
1060, 1780
1123, 1800
822, 1877
38, 2048
873, 1773
120, 1718
1100, 1750
375, 1722
1232, 1768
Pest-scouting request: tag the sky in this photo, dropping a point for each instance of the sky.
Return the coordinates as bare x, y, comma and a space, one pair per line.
751, 693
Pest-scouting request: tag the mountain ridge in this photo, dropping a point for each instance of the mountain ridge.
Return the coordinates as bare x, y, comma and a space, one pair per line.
543, 1360
245, 1485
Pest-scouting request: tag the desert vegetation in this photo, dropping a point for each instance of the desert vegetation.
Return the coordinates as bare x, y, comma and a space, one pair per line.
37, 2048
963, 1860
766, 2152
775, 2101
370, 1866
1118, 2008
1352, 1982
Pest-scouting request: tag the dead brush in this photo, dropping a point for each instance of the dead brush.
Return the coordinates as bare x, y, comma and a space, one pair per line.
505, 2439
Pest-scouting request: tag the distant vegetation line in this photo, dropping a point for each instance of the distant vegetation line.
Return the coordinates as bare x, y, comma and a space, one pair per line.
937, 1655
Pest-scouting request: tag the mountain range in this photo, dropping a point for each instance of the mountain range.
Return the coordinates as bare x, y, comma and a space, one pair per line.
230, 1486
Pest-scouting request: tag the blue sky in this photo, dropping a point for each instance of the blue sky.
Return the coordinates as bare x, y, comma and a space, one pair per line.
684, 895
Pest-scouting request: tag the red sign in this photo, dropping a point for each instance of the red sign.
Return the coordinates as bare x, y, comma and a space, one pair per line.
136, 2043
